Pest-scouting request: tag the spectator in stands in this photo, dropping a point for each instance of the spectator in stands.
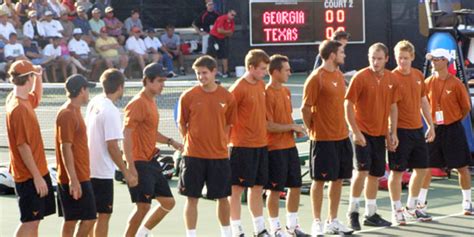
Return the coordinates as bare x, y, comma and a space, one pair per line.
219, 39
53, 50
107, 46
13, 50
86, 4
172, 42
33, 30
35, 56
153, 45
82, 22
102, 5
71, 8
133, 21
67, 25
21, 9
50, 26
41, 7
114, 25
57, 8
79, 49
3, 62
137, 49
9, 8
202, 24
96, 23
6, 28
74, 64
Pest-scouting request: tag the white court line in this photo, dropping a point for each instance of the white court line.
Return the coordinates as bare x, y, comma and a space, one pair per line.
411, 222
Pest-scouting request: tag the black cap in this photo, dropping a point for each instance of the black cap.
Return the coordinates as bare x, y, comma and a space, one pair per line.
76, 82
150, 29
153, 70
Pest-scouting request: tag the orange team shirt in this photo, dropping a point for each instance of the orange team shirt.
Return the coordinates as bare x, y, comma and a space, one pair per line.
141, 115
450, 96
70, 128
250, 130
23, 127
206, 115
279, 111
324, 93
411, 89
373, 97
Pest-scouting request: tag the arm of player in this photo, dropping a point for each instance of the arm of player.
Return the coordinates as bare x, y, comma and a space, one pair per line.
116, 155
426, 112
306, 115
68, 159
27, 158
38, 85
392, 137
127, 150
278, 127
358, 137
169, 141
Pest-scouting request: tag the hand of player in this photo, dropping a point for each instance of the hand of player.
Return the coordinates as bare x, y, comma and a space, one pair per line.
392, 142
41, 187
359, 139
75, 190
132, 180
177, 146
298, 128
430, 134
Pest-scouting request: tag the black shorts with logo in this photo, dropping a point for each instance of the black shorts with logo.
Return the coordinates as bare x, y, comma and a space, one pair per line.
32, 206
218, 48
284, 169
371, 157
82, 209
331, 160
249, 166
412, 151
195, 172
449, 149
151, 182
104, 194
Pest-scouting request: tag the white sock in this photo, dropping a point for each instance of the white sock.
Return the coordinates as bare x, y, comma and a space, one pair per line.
354, 204
291, 220
466, 195
142, 232
411, 202
191, 233
422, 196
396, 205
370, 207
236, 227
258, 224
226, 231
274, 224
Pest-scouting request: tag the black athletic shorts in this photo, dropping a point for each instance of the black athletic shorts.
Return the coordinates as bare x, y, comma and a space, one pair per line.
81, 209
151, 182
284, 169
32, 207
449, 148
104, 194
331, 160
218, 48
412, 151
195, 172
371, 157
249, 166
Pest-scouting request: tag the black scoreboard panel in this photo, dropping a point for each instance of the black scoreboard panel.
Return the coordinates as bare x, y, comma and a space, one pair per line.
304, 22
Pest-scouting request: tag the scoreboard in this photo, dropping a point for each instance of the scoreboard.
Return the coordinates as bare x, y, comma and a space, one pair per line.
304, 22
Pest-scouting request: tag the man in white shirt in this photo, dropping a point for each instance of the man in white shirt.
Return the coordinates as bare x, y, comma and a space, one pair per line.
32, 28
136, 47
50, 26
104, 132
6, 28
79, 49
153, 45
13, 50
54, 50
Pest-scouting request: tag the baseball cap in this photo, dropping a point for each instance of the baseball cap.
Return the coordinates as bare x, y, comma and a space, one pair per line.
439, 53
135, 29
150, 30
76, 82
48, 13
80, 9
32, 14
96, 10
77, 31
109, 9
153, 70
23, 68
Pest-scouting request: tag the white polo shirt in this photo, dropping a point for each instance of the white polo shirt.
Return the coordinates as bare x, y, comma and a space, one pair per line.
13, 50
103, 124
6, 30
136, 45
152, 43
52, 28
79, 47
49, 50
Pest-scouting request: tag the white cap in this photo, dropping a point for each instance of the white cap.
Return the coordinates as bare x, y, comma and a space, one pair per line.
48, 13
439, 53
77, 31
